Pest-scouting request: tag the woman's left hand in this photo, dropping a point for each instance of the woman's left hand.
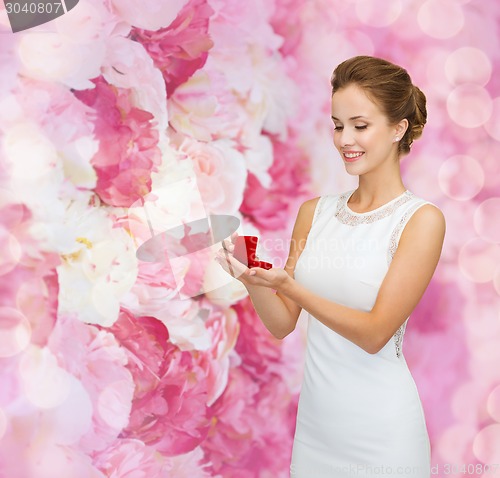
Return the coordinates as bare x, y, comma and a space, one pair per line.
274, 278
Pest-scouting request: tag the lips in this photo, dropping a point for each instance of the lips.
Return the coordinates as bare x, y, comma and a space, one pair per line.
351, 156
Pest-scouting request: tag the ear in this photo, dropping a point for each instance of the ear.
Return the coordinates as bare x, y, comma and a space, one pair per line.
401, 127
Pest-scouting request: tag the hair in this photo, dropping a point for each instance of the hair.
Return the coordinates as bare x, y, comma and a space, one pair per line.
390, 87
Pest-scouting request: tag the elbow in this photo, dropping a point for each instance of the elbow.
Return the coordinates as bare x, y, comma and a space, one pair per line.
373, 346
282, 334
373, 350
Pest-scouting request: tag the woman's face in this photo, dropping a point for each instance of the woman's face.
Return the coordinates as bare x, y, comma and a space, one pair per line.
362, 134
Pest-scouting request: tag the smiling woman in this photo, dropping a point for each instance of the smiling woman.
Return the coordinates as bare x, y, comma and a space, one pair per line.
359, 405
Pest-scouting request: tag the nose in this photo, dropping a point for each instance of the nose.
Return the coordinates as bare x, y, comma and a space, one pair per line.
345, 138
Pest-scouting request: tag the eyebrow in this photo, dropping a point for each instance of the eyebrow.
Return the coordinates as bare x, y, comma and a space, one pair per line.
351, 119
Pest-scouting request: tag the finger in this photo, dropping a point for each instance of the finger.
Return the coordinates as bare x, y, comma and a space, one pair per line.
234, 267
226, 265
227, 246
254, 271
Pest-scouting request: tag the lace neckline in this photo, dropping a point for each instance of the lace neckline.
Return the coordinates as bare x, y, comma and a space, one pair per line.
350, 193
345, 215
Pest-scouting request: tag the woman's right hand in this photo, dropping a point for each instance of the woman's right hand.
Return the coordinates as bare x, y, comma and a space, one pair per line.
229, 246
231, 265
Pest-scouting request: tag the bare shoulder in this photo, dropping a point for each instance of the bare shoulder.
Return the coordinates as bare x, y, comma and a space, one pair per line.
428, 218
306, 211
426, 226
301, 229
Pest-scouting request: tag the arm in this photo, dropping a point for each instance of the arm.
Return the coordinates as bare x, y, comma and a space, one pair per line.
408, 276
278, 312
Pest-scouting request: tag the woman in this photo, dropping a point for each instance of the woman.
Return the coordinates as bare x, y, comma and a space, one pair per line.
359, 263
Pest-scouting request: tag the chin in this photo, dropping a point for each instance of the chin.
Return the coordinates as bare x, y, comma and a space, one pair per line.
354, 169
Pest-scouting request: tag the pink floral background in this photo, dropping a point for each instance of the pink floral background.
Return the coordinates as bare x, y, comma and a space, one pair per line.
104, 371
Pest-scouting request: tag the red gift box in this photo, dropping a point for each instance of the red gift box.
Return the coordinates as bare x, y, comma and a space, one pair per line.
245, 248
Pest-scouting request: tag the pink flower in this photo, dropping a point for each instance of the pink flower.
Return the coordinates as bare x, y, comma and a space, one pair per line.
224, 328
29, 281
182, 47
220, 171
128, 151
253, 420
129, 458
128, 65
285, 22
169, 409
269, 208
43, 413
205, 108
149, 14
252, 428
189, 465
145, 340
259, 350
97, 360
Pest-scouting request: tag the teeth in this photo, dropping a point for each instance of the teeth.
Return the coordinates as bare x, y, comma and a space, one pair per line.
352, 155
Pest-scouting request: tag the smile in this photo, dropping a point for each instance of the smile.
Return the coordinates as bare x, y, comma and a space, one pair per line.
352, 156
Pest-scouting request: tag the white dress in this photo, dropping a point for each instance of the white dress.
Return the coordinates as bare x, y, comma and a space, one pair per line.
359, 414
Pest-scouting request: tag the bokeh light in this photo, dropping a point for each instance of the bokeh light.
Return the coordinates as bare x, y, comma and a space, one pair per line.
486, 220
11, 251
486, 445
45, 384
3, 423
454, 442
469, 106
478, 260
370, 13
461, 177
436, 79
493, 404
496, 285
15, 332
492, 126
440, 18
468, 65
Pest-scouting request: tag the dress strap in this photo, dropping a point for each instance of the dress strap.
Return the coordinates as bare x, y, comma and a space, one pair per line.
319, 207
398, 230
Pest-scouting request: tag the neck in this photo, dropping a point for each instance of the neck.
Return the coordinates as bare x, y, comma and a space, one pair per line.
372, 191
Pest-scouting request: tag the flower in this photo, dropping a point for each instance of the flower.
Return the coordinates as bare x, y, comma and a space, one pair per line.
269, 207
95, 358
130, 458
169, 410
180, 48
128, 144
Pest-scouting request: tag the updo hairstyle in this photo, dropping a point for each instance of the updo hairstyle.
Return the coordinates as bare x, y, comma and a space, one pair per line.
391, 88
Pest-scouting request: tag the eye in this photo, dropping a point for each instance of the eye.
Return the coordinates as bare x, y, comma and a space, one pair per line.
361, 127
338, 128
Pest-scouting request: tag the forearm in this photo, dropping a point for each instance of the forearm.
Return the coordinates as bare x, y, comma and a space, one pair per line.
271, 309
355, 325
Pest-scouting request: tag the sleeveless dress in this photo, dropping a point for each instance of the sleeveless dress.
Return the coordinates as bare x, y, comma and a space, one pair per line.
359, 414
